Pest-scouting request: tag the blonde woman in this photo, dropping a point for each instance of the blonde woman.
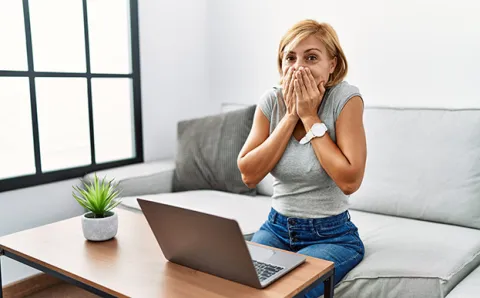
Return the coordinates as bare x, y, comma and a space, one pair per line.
309, 135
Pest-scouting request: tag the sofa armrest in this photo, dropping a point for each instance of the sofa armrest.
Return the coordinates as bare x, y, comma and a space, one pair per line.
140, 179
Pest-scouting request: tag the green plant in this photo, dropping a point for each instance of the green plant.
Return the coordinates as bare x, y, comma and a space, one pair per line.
99, 196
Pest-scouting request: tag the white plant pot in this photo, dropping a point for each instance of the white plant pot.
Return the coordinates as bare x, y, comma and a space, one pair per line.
99, 229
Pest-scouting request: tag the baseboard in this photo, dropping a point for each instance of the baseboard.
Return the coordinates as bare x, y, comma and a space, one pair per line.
29, 285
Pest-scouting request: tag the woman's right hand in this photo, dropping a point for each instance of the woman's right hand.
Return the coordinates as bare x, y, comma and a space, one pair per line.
289, 94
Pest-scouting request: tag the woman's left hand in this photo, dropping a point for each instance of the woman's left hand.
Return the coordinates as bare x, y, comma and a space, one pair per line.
308, 94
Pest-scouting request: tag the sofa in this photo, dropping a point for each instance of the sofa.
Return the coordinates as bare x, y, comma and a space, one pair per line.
417, 211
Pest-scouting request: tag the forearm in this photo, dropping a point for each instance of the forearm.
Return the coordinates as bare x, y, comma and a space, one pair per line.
332, 159
256, 164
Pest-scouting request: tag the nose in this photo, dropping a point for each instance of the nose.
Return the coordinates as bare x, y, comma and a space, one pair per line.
299, 63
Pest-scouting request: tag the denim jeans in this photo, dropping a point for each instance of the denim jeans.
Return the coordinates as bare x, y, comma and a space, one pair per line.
333, 238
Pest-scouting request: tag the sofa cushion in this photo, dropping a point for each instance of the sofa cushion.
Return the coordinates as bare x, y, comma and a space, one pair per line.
250, 212
265, 187
422, 163
139, 179
207, 152
469, 287
409, 258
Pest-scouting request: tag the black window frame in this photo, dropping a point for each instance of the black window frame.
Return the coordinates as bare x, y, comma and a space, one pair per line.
40, 178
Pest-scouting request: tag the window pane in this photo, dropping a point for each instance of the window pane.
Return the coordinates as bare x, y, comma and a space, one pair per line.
58, 35
17, 156
109, 40
113, 119
62, 105
13, 51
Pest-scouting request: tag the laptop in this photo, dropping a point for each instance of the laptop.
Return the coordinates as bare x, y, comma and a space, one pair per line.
215, 245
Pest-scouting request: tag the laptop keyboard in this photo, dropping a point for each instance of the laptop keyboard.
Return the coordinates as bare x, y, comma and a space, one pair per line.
265, 270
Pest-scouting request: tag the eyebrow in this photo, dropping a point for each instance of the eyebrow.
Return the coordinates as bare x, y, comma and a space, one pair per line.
311, 49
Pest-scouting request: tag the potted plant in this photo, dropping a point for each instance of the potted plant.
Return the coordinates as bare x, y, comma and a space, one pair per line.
99, 197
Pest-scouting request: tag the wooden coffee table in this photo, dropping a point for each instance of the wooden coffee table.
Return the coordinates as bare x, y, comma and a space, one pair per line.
132, 264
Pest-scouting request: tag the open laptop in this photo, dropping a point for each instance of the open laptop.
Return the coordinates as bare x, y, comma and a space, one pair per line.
214, 245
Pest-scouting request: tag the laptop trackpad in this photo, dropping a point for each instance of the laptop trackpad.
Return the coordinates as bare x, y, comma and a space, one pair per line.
260, 253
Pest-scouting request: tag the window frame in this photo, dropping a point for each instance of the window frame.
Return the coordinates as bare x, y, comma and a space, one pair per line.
42, 178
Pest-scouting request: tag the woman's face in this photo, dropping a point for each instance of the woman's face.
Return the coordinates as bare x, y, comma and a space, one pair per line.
310, 53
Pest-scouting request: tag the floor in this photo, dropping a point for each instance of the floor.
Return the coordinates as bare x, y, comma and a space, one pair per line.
63, 291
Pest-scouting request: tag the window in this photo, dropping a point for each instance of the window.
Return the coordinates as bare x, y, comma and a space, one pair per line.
69, 89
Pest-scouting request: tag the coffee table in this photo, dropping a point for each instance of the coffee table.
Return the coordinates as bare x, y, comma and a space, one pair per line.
132, 264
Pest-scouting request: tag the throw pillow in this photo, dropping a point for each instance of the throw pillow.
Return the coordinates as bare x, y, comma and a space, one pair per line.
207, 151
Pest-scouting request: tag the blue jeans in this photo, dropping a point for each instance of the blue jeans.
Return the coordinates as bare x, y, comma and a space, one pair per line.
333, 238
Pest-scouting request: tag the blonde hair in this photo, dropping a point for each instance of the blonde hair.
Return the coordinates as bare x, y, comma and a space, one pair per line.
327, 35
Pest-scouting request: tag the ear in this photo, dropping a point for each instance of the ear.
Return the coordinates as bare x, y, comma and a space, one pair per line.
333, 64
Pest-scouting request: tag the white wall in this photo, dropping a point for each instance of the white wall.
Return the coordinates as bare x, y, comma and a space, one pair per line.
174, 70
413, 53
174, 86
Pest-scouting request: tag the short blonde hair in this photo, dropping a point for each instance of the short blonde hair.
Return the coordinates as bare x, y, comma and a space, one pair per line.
327, 35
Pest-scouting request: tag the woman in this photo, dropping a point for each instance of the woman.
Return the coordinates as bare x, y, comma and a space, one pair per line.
309, 135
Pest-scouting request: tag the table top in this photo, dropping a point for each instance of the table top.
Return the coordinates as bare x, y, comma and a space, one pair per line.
132, 264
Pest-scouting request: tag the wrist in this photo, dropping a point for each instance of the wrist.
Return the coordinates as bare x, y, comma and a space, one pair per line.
309, 121
291, 118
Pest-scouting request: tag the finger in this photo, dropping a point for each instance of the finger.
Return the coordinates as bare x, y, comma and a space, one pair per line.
292, 76
288, 74
298, 76
308, 84
302, 82
288, 79
285, 78
286, 85
312, 79
290, 89
322, 87
297, 89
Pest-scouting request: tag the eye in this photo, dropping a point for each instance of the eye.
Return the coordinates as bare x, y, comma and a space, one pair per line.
312, 58
289, 58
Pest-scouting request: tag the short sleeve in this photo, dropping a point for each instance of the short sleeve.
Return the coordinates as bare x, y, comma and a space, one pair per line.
266, 103
344, 93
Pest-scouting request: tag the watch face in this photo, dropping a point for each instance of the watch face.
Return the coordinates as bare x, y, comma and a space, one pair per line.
319, 129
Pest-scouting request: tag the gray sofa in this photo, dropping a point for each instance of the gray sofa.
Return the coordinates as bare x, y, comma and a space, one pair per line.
418, 209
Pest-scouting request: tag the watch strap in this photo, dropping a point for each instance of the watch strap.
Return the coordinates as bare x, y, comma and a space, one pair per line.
307, 138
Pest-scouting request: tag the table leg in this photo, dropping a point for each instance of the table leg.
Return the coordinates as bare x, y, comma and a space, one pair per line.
329, 286
54, 273
1, 285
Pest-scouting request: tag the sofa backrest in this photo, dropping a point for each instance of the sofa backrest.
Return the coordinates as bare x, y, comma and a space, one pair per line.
423, 164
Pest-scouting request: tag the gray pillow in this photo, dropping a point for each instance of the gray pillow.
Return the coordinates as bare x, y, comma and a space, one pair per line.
207, 151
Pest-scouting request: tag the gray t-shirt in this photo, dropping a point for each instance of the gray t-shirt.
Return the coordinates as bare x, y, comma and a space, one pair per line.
301, 187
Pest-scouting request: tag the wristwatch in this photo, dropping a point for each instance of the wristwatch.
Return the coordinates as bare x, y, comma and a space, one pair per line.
317, 130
